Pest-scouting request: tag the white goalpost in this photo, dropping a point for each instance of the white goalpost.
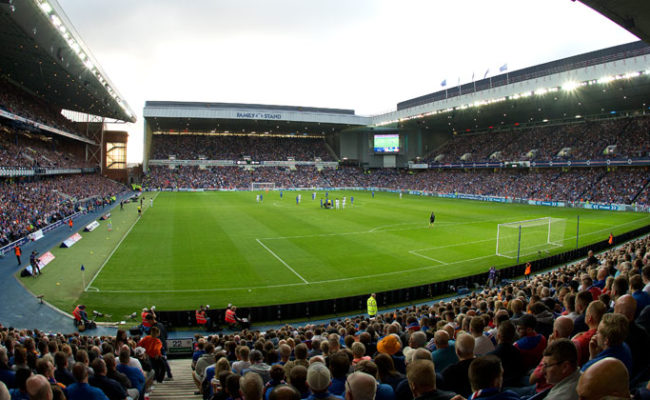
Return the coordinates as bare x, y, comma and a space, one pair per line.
263, 186
521, 238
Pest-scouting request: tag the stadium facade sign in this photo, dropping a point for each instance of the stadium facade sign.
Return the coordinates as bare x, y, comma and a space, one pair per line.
258, 115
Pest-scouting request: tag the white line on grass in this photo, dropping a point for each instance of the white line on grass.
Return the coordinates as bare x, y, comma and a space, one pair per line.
415, 253
113, 252
282, 261
428, 267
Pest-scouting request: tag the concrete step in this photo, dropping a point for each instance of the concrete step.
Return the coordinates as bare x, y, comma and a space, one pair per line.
181, 388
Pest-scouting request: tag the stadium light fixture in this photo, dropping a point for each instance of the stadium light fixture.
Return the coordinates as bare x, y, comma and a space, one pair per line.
46, 7
570, 86
541, 92
605, 79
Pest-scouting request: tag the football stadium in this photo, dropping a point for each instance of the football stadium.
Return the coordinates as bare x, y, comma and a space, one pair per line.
483, 240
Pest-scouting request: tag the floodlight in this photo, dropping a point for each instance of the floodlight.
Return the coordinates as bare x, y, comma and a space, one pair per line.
46, 7
570, 86
606, 79
541, 92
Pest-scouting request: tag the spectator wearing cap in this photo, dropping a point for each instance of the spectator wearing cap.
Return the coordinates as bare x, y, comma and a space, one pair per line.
610, 341
391, 345
455, 377
319, 379
531, 344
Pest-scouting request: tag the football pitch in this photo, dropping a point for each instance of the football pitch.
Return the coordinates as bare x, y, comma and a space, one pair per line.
225, 247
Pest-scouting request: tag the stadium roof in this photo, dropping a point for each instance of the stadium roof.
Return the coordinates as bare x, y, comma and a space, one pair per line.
43, 54
632, 15
201, 117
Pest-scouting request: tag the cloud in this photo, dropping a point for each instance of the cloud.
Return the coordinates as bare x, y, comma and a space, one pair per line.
367, 55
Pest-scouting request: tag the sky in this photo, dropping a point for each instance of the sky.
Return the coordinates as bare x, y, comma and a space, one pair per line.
365, 55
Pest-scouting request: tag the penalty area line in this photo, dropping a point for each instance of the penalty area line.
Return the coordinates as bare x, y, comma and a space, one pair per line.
282, 261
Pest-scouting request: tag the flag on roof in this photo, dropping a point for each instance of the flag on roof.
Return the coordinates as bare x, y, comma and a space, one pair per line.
503, 68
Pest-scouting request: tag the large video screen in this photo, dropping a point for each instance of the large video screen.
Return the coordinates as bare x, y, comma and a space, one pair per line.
386, 143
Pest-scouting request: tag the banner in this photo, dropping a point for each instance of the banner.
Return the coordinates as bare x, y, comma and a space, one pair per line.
69, 242
42, 262
34, 236
91, 226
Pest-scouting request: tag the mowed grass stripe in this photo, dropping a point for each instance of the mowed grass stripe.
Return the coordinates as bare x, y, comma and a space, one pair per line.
198, 248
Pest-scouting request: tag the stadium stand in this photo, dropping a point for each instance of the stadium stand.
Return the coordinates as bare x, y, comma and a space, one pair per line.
629, 137
620, 186
231, 147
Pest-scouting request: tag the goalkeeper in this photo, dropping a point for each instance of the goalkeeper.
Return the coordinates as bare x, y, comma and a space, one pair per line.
432, 219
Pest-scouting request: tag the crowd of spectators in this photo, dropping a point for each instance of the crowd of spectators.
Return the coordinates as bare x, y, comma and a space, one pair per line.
19, 102
586, 141
23, 149
620, 186
236, 147
26, 206
580, 331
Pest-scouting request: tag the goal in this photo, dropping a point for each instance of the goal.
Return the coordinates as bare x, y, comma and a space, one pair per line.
522, 238
263, 186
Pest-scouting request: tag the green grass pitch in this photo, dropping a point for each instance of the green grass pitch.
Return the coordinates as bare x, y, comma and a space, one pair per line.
224, 247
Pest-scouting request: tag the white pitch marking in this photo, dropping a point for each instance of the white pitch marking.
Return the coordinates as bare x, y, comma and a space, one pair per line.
415, 253
282, 261
113, 252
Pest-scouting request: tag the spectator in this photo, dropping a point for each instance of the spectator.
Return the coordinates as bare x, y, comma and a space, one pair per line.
455, 377
361, 386
486, 377
319, 379
531, 344
81, 390
252, 386
609, 341
445, 353
607, 377
511, 359
560, 363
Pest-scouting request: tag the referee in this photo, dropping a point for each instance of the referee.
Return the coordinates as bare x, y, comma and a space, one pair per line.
432, 219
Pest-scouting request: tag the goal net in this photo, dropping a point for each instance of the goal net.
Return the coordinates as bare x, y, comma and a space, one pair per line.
530, 236
263, 186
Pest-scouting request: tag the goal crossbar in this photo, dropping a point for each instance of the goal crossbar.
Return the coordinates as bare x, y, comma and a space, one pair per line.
262, 185
529, 235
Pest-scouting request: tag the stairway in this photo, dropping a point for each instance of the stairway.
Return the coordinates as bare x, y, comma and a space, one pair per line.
182, 387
